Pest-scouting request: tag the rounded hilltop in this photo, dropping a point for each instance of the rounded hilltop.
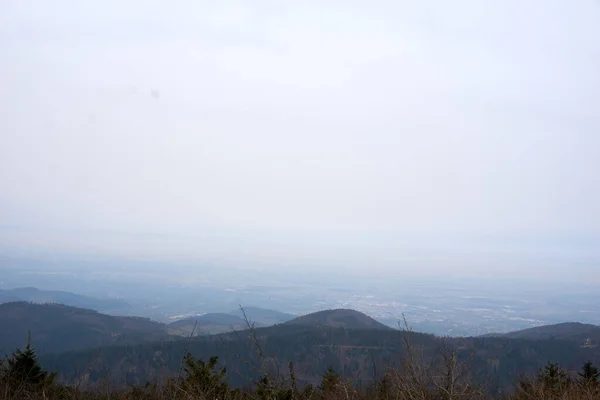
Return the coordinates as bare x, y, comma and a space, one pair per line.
339, 318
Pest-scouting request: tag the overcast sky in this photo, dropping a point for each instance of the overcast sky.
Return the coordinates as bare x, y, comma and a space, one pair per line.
347, 132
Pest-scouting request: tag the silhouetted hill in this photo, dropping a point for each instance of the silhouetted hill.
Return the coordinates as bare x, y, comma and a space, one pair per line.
264, 316
356, 353
311, 348
208, 324
57, 328
128, 350
34, 295
586, 334
210, 318
339, 318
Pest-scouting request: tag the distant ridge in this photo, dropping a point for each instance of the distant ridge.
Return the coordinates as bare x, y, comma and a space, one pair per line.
339, 318
35, 295
208, 324
264, 316
210, 318
587, 334
57, 327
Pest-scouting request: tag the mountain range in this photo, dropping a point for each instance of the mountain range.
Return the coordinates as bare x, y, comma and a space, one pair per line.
587, 334
129, 350
57, 328
34, 295
208, 324
214, 323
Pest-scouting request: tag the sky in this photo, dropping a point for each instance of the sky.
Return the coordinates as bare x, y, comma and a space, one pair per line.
448, 137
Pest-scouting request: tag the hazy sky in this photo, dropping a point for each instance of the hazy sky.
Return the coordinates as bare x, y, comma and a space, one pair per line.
350, 132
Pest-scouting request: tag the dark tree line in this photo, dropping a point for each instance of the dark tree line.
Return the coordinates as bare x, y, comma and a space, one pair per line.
22, 377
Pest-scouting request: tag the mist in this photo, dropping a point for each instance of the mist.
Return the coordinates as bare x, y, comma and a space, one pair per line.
423, 139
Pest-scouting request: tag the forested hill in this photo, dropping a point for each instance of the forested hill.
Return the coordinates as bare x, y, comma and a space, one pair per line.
35, 295
584, 333
339, 318
86, 346
359, 354
58, 328
263, 315
208, 324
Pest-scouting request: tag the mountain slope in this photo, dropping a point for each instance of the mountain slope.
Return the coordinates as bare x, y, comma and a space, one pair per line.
348, 341
34, 295
312, 350
586, 334
339, 318
264, 316
57, 328
354, 353
208, 324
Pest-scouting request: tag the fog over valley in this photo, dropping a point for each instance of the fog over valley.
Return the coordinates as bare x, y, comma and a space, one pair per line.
300, 200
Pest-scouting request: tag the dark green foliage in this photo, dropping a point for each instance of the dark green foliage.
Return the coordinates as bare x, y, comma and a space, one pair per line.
551, 380
22, 378
23, 367
308, 391
554, 383
204, 378
553, 377
146, 392
589, 375
22, 373
352, 353
267, 389
330, 381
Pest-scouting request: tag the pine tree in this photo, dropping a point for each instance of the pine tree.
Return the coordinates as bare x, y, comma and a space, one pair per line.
265, 389
330, 381
204, 378
23, 367
554, 377
589, 376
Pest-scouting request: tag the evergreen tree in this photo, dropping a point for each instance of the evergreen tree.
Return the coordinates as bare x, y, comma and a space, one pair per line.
554, 377
308, 391
23, 367
203, 378
265, 389
589, 376
330, 381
